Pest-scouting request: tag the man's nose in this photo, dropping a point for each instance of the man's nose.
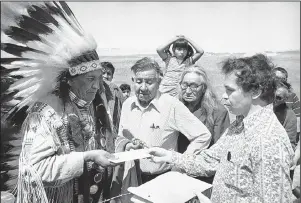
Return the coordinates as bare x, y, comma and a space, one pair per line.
188, 90
225, 96
96, 85
143, 86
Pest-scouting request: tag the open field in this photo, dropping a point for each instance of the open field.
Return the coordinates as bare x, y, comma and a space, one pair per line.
211, 63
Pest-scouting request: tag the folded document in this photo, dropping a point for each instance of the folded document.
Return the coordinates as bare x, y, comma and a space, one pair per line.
130, 155
171, 187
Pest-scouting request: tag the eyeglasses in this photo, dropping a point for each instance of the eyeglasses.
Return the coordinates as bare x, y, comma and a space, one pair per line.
279, 98
193, 87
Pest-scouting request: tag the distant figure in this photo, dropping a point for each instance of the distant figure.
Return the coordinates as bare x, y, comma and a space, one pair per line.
126, 90
182, 57
113, 94
107, 71
284, 114
292, 101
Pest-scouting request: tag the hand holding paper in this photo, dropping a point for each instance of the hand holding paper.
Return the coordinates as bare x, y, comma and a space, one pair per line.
130, 155
160, 155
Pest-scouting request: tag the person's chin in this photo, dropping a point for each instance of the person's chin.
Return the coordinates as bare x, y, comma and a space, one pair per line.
91, 95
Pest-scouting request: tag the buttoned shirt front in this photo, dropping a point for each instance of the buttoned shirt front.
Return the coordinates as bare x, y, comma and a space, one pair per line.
158, 125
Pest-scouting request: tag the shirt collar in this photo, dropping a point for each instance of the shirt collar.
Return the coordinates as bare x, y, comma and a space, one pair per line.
154, 103
258, 116
79, 102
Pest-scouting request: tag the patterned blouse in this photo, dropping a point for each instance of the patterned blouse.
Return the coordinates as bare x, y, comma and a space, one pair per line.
250, 165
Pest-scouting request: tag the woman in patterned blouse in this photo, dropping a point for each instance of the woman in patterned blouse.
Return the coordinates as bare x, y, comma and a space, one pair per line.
251, 161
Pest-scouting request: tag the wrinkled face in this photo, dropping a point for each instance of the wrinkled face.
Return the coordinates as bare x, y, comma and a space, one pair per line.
86, 85
281, 96
280, 75
180, 53
146, 85
107, 74
126, 93
192, 87
235, 99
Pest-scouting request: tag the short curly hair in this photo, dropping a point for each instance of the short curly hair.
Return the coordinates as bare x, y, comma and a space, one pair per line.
253, 73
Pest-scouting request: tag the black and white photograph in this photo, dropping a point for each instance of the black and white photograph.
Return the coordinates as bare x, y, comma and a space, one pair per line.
150, 102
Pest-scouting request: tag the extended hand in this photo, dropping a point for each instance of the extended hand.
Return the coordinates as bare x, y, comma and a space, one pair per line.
132, 146
135, 144
99, 157
160, 155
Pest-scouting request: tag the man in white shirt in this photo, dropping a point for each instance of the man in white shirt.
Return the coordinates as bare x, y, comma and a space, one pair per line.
151, 119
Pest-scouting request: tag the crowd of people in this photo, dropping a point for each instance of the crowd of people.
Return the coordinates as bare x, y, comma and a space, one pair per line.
76, 123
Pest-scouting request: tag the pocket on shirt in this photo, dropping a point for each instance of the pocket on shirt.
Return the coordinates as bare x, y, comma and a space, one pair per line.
237, 177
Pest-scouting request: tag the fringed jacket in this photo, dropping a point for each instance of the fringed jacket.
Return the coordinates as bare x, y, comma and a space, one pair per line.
52, 151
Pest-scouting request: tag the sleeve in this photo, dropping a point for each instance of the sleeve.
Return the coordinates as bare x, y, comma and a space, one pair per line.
271, 159
203, 164
222, 122
42, 150
290, 126
121, 141
167, 59
296, 104
190, 126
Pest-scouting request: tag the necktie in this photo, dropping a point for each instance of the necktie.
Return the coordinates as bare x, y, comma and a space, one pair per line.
239, 124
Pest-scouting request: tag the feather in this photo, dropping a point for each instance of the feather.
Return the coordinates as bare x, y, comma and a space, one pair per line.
42, 15
25, 83
17, 50
21, 35
68, 11
38, 41
33, 26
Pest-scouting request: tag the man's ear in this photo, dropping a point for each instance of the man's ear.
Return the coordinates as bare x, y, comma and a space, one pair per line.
256, 94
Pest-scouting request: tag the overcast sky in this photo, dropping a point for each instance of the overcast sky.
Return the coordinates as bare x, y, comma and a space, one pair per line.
139, 27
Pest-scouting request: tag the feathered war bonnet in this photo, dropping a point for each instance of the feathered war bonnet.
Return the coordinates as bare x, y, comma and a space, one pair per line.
40, 41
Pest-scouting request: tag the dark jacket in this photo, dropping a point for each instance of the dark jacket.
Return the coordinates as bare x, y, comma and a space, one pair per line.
221, 123
288, 119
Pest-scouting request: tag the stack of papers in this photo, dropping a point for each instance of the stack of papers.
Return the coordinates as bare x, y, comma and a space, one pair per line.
171, 187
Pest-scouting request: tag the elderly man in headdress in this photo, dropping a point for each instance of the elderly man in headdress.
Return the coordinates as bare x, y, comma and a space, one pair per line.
66, 133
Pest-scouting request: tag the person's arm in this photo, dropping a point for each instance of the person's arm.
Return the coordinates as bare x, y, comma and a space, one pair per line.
290, 125
199, 51
197, 133
125, 140
271, 159
40, 153
161, 49
296, 105
203, 164
296, 160
121, 141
